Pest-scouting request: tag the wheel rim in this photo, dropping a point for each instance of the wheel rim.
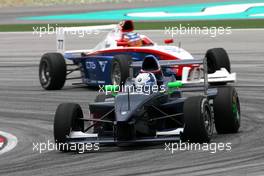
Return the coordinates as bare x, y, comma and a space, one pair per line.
208, 121
235, 108
116, 74
45, 74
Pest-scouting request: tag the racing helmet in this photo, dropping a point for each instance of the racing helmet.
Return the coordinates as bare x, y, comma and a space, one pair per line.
151, 64
133, 39
145, 79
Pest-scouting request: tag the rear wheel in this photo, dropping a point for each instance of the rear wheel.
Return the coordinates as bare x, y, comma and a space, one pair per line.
198, 120
227, 110
67, 120
120, 69
52, 71
217, 58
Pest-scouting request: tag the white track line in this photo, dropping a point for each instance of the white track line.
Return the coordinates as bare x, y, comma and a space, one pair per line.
11, 142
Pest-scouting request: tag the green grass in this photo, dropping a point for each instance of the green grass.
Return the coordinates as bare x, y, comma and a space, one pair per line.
235, 24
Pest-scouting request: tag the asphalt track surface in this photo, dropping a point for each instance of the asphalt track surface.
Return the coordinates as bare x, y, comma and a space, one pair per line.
27, 111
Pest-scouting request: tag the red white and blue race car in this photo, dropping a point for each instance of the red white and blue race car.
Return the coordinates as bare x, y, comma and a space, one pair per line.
108, 62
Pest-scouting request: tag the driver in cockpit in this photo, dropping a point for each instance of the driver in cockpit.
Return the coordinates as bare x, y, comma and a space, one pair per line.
133, 39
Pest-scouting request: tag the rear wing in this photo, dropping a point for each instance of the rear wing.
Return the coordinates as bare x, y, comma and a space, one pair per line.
63, 31
197, 75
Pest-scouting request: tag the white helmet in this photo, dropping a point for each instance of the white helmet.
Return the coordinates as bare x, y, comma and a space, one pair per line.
145, 79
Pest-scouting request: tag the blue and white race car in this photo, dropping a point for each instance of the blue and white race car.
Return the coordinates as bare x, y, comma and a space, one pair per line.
108, 62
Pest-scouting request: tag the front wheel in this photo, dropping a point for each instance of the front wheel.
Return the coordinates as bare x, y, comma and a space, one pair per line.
198, 121
67, 120
52, 71
227, 110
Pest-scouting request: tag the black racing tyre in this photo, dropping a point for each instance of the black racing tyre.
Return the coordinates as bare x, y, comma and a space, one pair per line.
198, 121
52, 71
217, 58
120, 69
227, 110
66, 121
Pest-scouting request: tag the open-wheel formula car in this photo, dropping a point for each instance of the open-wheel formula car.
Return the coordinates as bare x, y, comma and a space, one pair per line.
108, 62
154, 107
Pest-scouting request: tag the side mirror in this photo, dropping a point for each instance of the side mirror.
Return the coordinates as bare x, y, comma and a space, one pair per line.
168, 41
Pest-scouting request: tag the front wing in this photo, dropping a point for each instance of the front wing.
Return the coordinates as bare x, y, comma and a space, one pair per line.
162, 136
